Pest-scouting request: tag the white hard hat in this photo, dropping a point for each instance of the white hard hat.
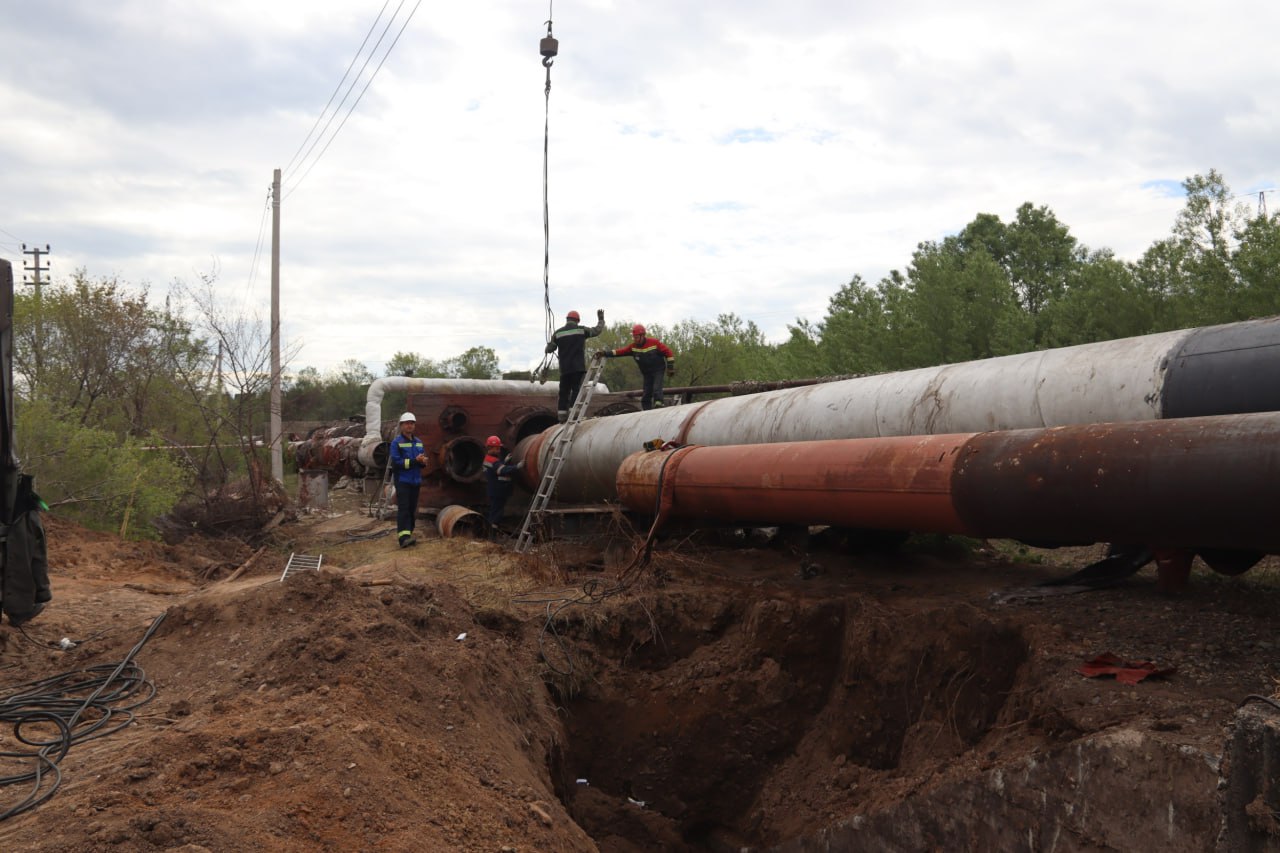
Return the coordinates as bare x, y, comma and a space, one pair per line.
408, 416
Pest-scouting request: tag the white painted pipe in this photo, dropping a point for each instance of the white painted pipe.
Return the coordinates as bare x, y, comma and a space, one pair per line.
1111, 381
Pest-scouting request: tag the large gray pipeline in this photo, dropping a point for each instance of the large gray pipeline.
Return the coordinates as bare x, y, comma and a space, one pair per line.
1213, 370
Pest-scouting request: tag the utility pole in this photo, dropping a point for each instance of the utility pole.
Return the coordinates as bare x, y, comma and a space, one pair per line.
34, 268
37, 282
277, 445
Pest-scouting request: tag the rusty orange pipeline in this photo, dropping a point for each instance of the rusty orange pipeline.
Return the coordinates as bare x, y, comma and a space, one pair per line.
899, 483
1211, 482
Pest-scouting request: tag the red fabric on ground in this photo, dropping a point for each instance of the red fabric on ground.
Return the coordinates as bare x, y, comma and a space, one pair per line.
1126, 672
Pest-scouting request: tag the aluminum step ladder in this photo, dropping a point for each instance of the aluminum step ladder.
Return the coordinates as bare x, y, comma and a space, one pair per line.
380, 507
559, 450
301, 563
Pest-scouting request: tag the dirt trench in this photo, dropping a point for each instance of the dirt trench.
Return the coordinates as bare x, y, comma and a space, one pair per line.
735, 698
723, 724
731, 719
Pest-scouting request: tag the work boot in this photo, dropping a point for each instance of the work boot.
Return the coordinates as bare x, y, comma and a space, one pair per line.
406, 540
562, 416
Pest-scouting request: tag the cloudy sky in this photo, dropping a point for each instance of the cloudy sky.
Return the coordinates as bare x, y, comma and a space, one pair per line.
721, 155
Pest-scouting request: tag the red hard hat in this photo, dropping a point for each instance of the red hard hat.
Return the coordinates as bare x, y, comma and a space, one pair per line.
573, 315
637, 329
493, 441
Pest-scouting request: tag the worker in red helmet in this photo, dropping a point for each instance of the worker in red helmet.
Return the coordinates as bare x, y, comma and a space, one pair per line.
655, 360
569, 343
499, 476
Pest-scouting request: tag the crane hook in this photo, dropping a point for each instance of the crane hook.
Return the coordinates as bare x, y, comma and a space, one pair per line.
549, 47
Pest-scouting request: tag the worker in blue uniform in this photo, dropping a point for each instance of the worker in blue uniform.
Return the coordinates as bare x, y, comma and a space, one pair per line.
408, 458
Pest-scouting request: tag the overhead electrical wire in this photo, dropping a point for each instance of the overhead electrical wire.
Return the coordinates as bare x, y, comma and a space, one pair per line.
257, 249
386, 28
16, 240
289, 166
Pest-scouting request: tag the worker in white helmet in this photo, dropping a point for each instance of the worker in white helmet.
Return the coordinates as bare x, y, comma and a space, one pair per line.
408, 458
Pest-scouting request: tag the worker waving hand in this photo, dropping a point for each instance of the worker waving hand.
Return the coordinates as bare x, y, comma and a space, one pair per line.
655, 360
569, 343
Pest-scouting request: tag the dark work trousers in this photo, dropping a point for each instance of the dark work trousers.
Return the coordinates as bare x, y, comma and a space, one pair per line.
652, 389
406, 508
570, 385
498, 494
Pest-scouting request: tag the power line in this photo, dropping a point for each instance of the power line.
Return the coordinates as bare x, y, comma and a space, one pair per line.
359, 97
257, 249
338, 87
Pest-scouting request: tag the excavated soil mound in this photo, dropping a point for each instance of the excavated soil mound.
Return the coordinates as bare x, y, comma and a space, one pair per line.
454, 697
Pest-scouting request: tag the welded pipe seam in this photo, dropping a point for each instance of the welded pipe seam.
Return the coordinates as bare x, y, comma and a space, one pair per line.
1111, 381
1210, 482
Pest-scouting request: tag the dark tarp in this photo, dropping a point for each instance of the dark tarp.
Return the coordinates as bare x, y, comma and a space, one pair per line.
24, 567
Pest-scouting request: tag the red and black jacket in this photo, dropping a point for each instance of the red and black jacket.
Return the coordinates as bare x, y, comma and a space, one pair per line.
651, 354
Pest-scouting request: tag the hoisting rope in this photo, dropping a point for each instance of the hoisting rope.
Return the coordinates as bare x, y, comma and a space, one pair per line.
549, 47
595, 590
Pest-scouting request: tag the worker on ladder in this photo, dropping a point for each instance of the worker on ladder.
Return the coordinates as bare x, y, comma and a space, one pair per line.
569, 343
408, 458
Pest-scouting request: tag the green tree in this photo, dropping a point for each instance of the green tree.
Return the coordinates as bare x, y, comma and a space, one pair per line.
475, 363
962, 306
1103, 300
96, 477
1162, 276
102, 355
1036, 251
728, 350
800, 356
1205, 229
1257, 262
346, 388
855, 330
413, 364
302, 396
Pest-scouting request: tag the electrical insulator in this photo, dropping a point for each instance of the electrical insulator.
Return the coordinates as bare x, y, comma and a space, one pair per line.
549, 47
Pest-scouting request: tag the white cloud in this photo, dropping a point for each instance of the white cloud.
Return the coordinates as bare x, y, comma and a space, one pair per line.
744, 156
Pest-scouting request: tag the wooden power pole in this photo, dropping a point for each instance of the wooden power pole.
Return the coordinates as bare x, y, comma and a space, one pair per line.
37, 282
277, 444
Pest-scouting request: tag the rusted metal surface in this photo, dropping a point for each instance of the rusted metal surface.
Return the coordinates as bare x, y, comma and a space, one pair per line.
1189, 485
898, 483
337, 455
460, 459
1211, 482
1173, 569
453, 428
448, 390
1015, 391
1111, 381
459, 521
313, 488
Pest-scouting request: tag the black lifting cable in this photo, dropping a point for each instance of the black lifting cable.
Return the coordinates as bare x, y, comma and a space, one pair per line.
78, 706
548, 47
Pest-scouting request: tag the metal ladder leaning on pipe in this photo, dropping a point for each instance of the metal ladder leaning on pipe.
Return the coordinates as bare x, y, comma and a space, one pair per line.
379, 508
559, 450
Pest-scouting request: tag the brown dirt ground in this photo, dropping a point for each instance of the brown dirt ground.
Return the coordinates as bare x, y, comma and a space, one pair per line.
735, 696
